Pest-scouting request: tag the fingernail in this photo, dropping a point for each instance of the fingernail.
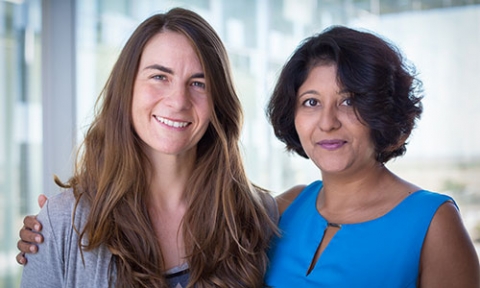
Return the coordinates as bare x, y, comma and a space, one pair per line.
36, 227
32, 248
38, 239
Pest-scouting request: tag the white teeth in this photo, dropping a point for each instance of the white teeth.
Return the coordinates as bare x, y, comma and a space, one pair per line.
172, 123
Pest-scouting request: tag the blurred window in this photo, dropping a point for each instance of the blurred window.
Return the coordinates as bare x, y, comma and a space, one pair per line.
442, 38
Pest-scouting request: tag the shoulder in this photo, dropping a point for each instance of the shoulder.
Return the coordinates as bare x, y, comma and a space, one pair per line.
448, 256
59, 209
270, 205
436, 199
286, 198
423, 205
446, 218
46, 268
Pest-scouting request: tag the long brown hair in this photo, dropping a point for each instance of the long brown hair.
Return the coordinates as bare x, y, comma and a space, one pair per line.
226, 220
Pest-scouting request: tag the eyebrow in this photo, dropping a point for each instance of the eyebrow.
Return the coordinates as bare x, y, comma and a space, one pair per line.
159, 67
309, 92
341, 92
170, 71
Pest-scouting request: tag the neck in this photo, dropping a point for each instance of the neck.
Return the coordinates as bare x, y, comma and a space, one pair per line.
169, 179
345, 192
167, 204
370, 194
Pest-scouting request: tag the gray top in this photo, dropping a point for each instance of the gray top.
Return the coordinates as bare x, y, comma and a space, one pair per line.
58, 262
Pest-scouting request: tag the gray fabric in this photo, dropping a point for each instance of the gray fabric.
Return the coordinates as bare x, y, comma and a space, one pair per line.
272, 207
58, 262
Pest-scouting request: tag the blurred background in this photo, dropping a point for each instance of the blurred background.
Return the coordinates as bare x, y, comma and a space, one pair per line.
55, 57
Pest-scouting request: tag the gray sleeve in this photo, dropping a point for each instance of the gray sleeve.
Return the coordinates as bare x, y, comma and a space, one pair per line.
46, 268
272, 207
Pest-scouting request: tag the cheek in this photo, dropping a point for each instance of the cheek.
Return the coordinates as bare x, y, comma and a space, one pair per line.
135, 108
138, 110
207, 113
301, 126
204, 109
145, 93
364, 134
143, 100
136, 98
296, 119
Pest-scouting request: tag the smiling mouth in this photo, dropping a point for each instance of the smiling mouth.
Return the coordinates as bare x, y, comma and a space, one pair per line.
332, 144
174, 124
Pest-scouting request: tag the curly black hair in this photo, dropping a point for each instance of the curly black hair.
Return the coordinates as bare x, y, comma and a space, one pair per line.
385, 91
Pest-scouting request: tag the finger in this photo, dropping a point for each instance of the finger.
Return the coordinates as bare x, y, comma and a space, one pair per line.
29, 236
32, 223
41, 200
26, 247
21, 259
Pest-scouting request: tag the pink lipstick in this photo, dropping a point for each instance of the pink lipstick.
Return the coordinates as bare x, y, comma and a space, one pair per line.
331, 144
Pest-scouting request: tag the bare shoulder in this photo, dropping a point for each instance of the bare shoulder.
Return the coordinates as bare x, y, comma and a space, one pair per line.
286, 198
448, 256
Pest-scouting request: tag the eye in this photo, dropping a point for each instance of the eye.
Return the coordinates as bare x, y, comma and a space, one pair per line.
159, 77
310, 102
198, 84
347, 102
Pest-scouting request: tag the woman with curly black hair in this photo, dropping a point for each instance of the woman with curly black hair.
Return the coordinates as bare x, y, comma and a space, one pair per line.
347, 100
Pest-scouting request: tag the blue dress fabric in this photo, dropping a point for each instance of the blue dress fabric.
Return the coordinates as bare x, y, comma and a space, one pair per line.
383, 252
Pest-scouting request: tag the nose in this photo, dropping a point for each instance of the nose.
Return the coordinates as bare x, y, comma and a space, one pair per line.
328, 119
179, 98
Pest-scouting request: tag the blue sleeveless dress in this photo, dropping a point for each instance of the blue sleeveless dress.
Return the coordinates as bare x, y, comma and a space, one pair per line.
384, 252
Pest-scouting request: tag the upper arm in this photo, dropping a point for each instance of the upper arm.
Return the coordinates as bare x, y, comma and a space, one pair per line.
448, 257
286, 198
45, 268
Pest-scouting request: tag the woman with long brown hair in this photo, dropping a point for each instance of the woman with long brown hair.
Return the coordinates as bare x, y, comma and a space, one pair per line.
159, 196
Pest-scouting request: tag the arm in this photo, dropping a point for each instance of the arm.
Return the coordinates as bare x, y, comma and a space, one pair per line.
29, 234
448, 257
45, 268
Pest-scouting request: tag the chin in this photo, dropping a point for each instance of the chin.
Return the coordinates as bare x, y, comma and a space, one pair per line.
331, 166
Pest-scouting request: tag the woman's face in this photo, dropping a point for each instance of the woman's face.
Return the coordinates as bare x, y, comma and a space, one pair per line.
329, 131
171, 107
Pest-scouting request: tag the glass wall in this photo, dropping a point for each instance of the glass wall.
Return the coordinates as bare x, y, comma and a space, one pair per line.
20, 125
441, 37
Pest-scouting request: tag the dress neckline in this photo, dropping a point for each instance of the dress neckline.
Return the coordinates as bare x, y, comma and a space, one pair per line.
379, 218
174, 270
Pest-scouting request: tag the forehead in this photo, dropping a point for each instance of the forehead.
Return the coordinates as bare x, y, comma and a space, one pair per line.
321, 74
170, 47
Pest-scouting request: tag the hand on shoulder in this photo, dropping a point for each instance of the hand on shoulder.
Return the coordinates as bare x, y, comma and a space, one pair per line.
30, 234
